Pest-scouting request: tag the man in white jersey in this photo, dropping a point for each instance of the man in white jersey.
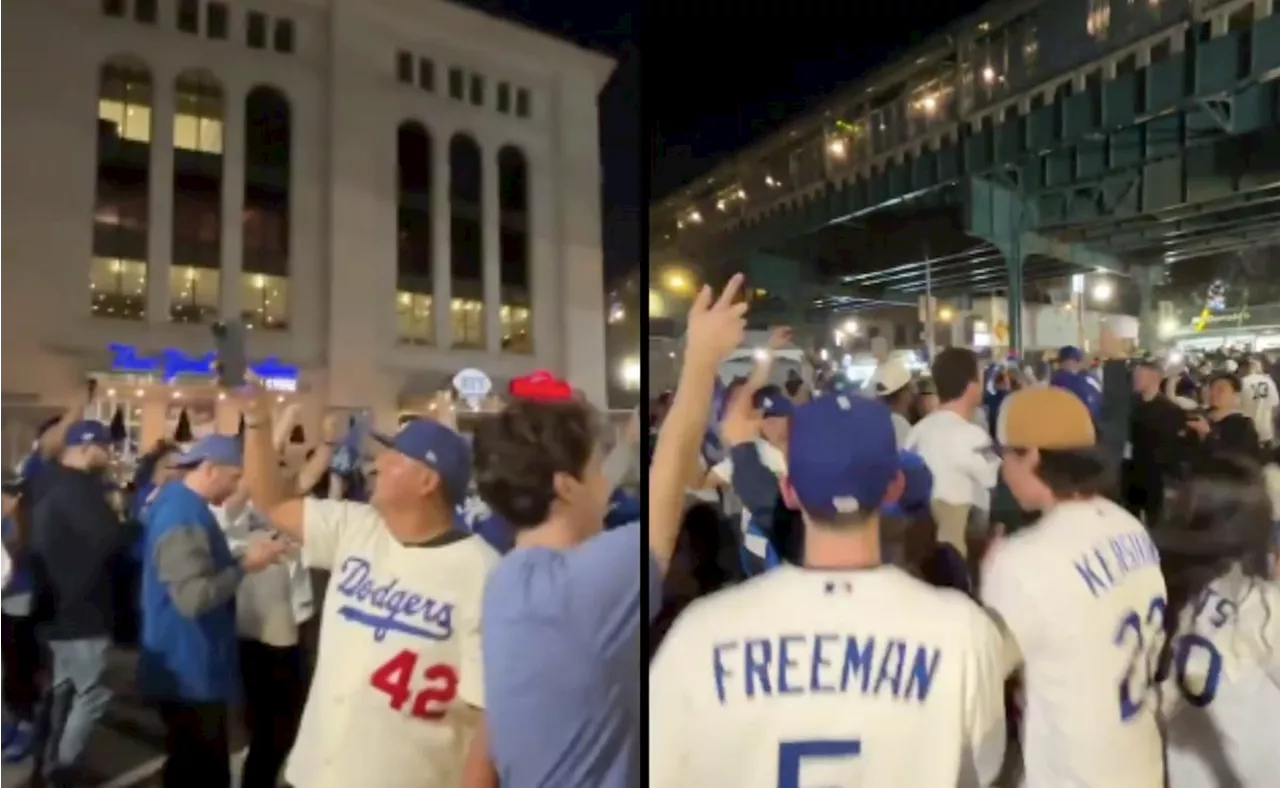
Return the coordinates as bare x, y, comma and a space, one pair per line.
1221, 696
835, 672
1259, 400
398, 686
1082, 599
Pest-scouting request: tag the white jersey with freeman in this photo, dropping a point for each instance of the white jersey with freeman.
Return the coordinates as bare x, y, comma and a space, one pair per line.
1082, 594
806, 677
1259, 401
1222, 699
399, 654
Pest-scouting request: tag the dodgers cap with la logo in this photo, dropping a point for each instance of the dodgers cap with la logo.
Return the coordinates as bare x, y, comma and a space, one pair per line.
773, 401
443, 450
88, 433
842, 455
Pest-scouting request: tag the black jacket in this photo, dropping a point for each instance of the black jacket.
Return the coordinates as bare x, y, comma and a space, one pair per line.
75, 541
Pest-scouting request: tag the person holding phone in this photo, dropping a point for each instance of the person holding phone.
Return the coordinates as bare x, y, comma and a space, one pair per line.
1223, 427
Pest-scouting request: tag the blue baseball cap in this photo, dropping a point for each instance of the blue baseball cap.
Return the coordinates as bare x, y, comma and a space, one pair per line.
842, 455
439, 448
88, 433
1069, 353
217, 449
918, 484
773, 401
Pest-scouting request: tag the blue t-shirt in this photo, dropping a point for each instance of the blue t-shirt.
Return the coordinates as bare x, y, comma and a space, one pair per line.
563, 662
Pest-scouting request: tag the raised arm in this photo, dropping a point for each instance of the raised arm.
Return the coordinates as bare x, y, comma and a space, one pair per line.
715, 328
271, 495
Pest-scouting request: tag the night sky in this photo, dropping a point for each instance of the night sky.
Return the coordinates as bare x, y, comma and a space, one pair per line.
716, 77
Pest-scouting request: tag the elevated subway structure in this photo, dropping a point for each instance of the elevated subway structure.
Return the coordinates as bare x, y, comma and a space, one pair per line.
1029, 141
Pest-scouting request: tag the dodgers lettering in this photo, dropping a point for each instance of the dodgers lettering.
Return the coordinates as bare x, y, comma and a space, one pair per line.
1107, 564
823, 664
394, 609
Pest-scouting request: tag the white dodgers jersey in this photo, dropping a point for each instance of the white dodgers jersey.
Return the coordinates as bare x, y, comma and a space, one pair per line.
399, 658
1259, 401
808, 677
1222, 698
1082, 594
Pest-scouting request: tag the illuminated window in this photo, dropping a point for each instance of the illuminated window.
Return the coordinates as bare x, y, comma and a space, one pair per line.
266, 301
517, 329
193, 294
118, 288
197, 122
468, 323
415, 321
124, 102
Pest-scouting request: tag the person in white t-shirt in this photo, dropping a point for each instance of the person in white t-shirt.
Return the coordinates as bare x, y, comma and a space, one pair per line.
1259, 400
891, 382
958, 452
1081, 598
1221, 663
836, 672
397, 695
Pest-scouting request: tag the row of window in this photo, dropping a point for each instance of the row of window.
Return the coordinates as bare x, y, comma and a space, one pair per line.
212, 19
122, 216
118, 289
420, 72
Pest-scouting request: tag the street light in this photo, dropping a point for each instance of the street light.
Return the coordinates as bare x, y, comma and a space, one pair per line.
1102, 291
677, 281
945, 314
630, 373
850, 326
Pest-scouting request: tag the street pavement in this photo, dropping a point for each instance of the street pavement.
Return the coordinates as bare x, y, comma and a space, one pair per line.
127, 747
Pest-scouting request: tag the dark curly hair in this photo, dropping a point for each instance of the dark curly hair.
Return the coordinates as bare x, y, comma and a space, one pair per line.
519, 451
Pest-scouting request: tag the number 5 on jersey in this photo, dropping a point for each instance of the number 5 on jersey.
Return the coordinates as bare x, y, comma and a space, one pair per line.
398, 678
792, 754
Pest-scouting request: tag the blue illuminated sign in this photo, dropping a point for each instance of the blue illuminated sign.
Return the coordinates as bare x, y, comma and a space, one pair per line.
170, 363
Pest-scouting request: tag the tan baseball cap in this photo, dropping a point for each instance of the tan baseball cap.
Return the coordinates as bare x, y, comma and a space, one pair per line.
889, 377
1045, 417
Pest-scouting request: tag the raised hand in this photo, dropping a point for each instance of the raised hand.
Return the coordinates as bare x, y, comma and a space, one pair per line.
716, 325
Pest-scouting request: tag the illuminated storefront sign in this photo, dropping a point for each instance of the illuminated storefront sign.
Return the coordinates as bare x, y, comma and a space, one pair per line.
171, 363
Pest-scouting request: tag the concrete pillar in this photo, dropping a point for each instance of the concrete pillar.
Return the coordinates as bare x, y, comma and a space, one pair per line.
441, 244
160, 199
231, 239
492, 270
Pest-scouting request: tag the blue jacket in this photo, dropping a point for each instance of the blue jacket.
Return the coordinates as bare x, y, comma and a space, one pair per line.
192, 659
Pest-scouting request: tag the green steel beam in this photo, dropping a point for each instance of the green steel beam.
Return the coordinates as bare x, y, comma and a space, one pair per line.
1000, 216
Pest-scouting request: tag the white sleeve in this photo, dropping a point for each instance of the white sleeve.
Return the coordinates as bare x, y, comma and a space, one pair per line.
471, 667
983, 464
325, 524
1008, 600
724, 470
1273, 396
984, 717
670, 710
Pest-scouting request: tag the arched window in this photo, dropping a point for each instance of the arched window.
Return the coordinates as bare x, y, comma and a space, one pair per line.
264, 279
195, 279
118, 268
466, 238
415, 319
513, 252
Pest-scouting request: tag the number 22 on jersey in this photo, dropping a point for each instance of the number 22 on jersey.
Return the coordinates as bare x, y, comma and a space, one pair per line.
432, 689
1143, 635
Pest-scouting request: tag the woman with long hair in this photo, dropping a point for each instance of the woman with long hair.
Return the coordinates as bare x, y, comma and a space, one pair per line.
1220, 664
